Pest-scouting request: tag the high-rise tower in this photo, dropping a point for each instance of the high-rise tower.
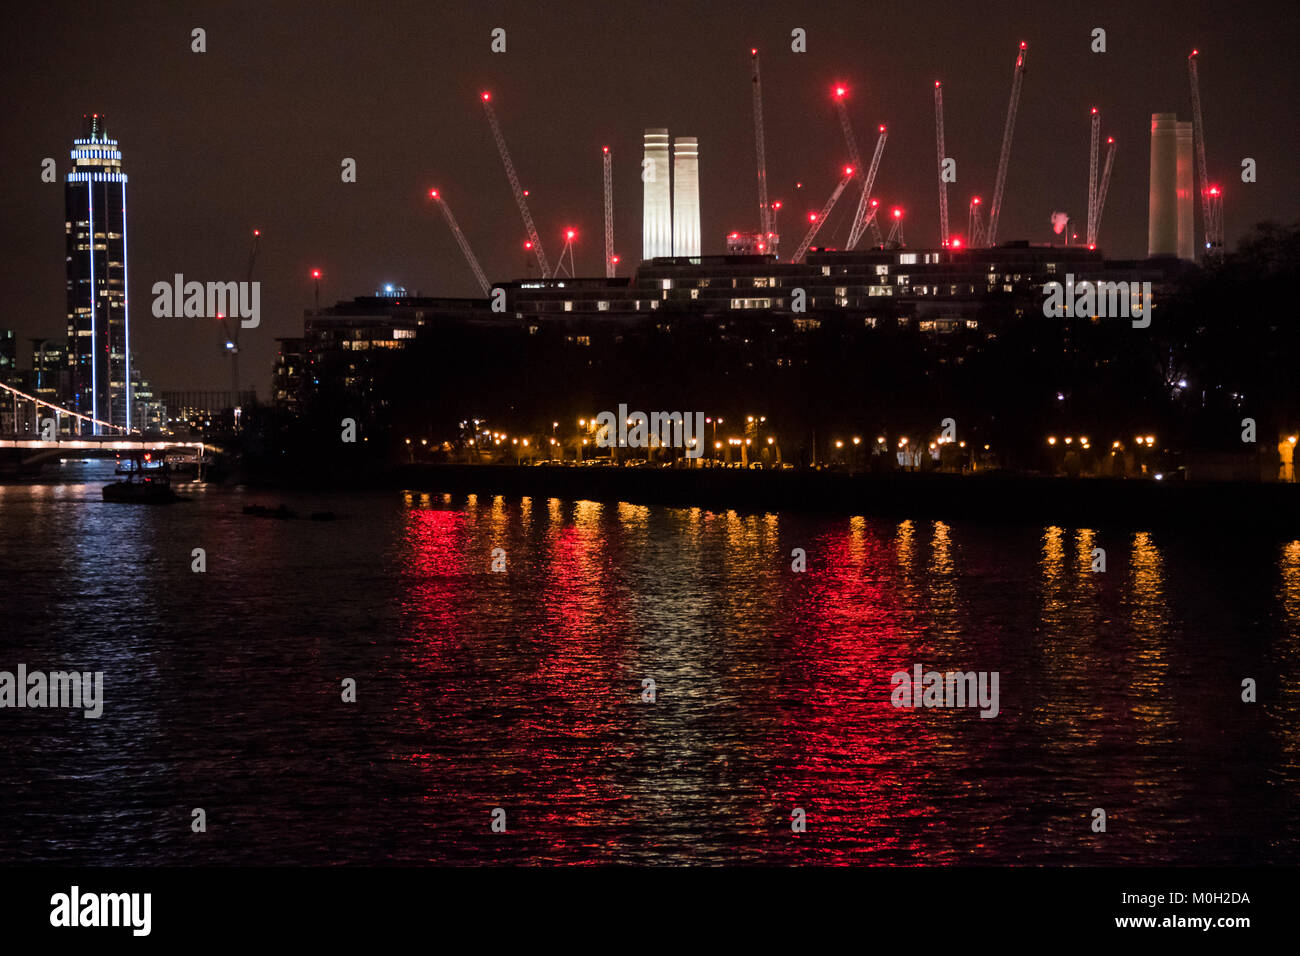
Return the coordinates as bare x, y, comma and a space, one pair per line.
686, 196
657, 217
99, 332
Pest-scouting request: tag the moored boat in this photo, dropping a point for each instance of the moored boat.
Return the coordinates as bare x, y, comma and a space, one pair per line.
142, 485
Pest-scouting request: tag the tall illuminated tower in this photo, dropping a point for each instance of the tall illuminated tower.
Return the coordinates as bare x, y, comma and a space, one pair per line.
657, 215
686, 196
99, 332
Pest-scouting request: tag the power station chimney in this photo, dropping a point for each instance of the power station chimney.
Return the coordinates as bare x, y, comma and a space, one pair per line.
657, 217
1186, 206
1162, 199
686, 196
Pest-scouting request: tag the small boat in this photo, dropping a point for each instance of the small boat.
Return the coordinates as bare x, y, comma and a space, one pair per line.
144, 484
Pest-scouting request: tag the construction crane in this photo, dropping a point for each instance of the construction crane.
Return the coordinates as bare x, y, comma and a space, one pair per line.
974, 224
819, 218
520, 199
764, 210
1102, 189
995, 209
860, 217
938, 143
873, 223
462, 242
854, 158
1092, 178
569, 236
1211, 196
610, 259
231, 343
895, 238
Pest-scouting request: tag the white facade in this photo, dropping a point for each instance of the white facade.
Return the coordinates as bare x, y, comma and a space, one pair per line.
686, 196
1162, 198
657, 217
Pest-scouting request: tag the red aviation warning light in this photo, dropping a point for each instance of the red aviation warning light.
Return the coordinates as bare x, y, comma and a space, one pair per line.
433, 194
848, 170
315, 273
812, 217
840, 92
955, 242
875, 202
975, 200
528, 244
256, 233
1214, 190
486, 96
569, 234
898, 213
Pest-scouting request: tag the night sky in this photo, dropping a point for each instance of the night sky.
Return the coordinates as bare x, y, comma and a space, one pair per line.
252, 133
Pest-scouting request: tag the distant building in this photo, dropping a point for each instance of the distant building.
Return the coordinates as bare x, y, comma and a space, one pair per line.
348, 344
198, 411
686, 197
657, 211
99, 331
1170, 197
150, 413
938, 289
8, 357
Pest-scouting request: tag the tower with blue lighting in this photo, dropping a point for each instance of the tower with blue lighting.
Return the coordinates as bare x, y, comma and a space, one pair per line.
99, 331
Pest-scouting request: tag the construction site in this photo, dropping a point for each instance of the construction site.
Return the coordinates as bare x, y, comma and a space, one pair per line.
860, 216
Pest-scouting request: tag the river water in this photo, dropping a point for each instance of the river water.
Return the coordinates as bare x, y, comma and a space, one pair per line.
523, 689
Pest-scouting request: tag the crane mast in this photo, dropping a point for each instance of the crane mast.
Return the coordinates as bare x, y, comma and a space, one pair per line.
939, 150
1092, 178
975, 224
608, 179
859, 218
822, 216
514, 185
854, 158
1211, 198
873, 223
232, 330
1104, 187
462, 242
895, 239
999, 186
764, 211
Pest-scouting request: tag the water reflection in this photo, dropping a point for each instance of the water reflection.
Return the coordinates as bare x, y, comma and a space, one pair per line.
523, 687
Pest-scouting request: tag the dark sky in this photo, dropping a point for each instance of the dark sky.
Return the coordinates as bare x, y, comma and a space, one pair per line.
252, 132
